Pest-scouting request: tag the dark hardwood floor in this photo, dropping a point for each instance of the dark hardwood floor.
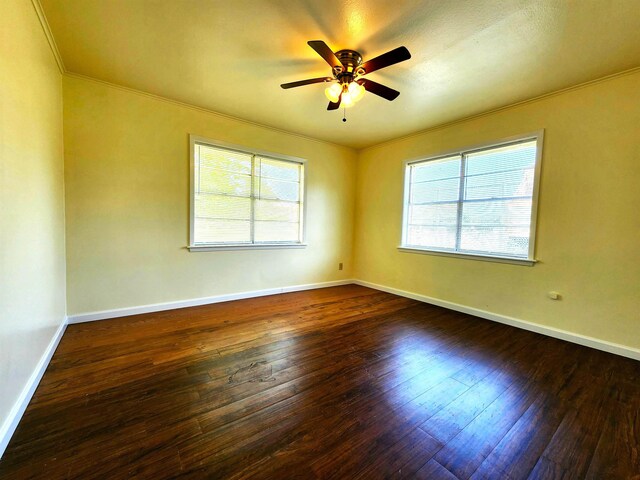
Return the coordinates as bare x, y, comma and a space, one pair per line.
343, 382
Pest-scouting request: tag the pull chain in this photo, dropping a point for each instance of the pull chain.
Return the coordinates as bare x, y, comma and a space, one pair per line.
344, 115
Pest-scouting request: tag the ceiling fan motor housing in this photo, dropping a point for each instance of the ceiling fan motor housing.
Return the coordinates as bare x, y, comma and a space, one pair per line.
351, 61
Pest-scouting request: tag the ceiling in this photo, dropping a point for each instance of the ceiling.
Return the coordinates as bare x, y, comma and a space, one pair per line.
231, 56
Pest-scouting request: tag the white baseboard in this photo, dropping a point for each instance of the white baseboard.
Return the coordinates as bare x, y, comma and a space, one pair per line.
9, 426
598, 344
11, 422
572, 337
158, 307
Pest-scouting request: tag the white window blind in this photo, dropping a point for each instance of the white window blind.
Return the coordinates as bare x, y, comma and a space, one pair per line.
474, 202
242, 198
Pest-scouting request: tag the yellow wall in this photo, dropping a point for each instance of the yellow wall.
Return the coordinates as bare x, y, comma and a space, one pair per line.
127, 192
126, 171
588, 239
127, 210
32, 265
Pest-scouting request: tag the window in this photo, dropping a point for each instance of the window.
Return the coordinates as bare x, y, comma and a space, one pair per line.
479, 202
244, 199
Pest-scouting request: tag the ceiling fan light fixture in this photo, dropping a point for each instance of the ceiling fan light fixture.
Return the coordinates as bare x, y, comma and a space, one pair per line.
356, 91
347, 100
351, 93
347, 68
333, 92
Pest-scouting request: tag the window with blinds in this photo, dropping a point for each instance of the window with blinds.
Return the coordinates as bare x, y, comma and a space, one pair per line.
477, 202
242, 198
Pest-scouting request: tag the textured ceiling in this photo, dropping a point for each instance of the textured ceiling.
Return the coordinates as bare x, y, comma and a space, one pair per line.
231, 56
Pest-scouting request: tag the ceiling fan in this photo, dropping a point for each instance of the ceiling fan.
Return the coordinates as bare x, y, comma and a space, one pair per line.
347, 85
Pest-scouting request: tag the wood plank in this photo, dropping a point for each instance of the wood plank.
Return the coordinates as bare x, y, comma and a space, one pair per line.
432, 470
342, 382
617, 454
518, 452
451, 420
464, 453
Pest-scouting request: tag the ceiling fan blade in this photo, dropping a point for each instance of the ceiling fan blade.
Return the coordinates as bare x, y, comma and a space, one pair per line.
306, 82
379, 89
392, 57
325, 52
335, 105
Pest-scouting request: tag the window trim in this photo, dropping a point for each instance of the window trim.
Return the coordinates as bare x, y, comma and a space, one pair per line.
538, 136
207, 247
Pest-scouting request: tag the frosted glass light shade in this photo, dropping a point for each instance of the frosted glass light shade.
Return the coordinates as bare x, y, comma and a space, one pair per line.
333, 92
347, 99
356, 91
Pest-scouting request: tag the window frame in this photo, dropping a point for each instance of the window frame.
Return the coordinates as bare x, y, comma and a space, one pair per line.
538, 137
203, 247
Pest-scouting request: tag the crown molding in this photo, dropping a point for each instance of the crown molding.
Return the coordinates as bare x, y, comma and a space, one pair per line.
204, 110
503, 108
47, 33
56, 53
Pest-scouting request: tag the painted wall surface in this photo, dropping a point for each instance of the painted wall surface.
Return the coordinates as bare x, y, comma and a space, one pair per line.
32, 264
588, 233
127, 192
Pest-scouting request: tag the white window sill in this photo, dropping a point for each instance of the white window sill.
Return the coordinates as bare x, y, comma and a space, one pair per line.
256, 246
469, 256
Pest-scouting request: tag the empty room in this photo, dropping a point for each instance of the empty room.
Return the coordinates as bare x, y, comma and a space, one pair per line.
337, 239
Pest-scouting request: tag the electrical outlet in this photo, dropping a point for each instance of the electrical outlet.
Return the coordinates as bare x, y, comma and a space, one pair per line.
340, 266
